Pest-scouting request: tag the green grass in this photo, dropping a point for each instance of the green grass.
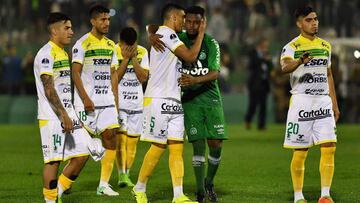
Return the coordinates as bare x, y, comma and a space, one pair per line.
254, 168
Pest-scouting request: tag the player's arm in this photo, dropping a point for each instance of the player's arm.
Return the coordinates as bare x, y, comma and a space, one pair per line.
154, 38
289, 65
127, 53
332, 94
190, 55
76, 69
53, 98
114, 85
141, 70
188, 80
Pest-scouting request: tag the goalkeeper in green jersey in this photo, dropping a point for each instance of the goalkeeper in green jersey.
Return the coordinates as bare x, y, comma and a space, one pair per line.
201, 99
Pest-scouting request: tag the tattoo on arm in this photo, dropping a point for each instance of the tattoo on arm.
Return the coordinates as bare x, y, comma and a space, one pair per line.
51, 94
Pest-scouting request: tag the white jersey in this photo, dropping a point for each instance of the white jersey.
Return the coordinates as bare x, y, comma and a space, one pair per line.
130, 88
54, 61
310, 78
97, 57
165, 68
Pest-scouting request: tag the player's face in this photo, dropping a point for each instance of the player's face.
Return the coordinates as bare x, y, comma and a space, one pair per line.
101, 23
192, 23
64, 32
179, 20
309, 24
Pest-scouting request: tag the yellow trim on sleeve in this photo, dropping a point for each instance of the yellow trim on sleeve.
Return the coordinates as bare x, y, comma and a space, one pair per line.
286, 57
133, 135
291, 101
46, 73
42, 123
77, 61
177, 46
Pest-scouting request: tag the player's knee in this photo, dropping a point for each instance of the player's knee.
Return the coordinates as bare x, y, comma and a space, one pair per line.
329, 144
214, 143
73, 177
163, 146
53, 184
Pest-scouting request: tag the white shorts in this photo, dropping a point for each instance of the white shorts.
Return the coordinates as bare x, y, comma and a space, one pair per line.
98, 121
131, 122
57, 146
310, 121
163, 120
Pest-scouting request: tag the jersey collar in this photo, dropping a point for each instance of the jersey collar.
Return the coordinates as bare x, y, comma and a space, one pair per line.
55, 46
302, 38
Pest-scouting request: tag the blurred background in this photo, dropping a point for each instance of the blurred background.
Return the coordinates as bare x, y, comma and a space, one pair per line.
240, 26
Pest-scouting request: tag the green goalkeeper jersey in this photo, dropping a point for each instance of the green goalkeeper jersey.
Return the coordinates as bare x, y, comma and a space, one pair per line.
205, 94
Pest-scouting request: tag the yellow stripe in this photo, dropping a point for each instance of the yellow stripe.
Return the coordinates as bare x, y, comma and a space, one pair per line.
286, 57
47, 73
325, 141
42, 123
51, 160
296, 147
78, 155
174, 139
147, 101
89, 130
148, 140
291, 101
113, 126
176, 47
77, 61
133, 135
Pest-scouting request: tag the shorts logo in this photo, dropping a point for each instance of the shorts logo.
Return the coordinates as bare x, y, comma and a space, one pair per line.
202, 55
314, 114
193, 131
45, 61
171, 108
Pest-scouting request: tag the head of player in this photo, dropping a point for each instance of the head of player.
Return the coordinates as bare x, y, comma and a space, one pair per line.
307, 21
99, 19
128, 36
60, 28
193, 17
173, 16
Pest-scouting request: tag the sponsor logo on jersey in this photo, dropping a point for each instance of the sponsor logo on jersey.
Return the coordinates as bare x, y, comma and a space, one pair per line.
130, 83
313, 78
102, 61
171, 108
101, 75
314, 114
45, 61
315, 91
64, 73
316, 63
194, 69
202, 55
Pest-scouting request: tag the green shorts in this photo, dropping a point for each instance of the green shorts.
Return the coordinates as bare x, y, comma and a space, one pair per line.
204, 122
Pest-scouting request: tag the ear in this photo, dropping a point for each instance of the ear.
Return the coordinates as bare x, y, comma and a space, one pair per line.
92, 21
298, 24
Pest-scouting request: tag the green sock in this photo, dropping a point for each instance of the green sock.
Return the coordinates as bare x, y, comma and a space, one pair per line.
214, 158
198, 163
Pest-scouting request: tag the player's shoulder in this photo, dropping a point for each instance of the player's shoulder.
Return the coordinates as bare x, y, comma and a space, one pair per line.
295, 43
44, 51
165, 30
141, 49
325, 44
82, 40
109, 42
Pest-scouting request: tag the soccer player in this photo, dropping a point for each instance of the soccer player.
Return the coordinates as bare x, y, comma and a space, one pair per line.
94, 64
163, 113
201, 99
62, 136
313, 110
132, 72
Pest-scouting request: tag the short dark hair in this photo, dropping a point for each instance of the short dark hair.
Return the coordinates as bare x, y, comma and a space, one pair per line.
56, 17
97, 9
303, 11
128, 35
195, 10
168, 8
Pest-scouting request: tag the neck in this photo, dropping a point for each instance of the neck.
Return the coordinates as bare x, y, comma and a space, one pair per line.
96, 33
57, 43
169, 24
191, 36
308, 36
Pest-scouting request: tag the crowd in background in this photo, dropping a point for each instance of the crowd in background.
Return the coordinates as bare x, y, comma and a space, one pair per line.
236, 24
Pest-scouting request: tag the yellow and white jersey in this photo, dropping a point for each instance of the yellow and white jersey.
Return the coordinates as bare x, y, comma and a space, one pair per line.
97, 58
54, 61
310, 78
130, 88
165, 68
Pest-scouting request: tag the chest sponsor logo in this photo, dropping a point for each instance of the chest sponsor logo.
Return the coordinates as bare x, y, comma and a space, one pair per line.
313, 78
195, 69
102, 61
316, 63
101, 75
171, 108
64, 73
130, 84
314, 114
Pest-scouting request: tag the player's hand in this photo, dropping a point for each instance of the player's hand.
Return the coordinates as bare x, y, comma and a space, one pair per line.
203, 25
305, 58
67, 123
127, 51
336, 114
187, 80
88, 105
134, 50
156, 42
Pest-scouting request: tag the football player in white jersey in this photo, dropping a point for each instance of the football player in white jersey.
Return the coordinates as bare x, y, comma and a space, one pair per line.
94, 66
132, 72
62, 135
163, 114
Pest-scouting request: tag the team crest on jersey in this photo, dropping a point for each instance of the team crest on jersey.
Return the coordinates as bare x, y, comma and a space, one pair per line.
193, 131
45, 61
75, 51
202, 55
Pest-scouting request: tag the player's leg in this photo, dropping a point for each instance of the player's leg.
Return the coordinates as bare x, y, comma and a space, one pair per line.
121, 139
214, 158
50, 181
131, 148
326, 169
70, 172
198, 162
297, 168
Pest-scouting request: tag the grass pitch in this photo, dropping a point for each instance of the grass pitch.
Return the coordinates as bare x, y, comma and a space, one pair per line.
254, 168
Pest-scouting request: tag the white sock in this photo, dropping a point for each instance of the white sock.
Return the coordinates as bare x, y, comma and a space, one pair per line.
178, 191
127, 171
298, 195
325, 191
50, 201
140, 187
60, 190
103, 183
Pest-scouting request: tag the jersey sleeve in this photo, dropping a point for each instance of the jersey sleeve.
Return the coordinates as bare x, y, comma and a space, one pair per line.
171, 40
287, 52
145, 60
329, 63
214, 55
78, 53
45, 64
114, 60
